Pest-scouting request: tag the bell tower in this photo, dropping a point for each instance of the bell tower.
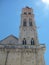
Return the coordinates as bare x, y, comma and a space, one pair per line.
28, 33
32, 52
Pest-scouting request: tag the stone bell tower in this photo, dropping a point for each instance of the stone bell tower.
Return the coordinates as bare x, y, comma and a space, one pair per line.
28, 31
32, 51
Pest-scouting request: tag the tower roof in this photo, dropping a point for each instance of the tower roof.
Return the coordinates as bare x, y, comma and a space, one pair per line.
28, 7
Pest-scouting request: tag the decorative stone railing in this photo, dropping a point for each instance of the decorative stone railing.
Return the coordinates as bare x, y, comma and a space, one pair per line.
21, 46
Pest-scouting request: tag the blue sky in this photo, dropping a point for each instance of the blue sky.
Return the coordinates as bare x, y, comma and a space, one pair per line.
10, 11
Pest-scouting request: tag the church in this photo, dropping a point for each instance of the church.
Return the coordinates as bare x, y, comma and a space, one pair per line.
25, 50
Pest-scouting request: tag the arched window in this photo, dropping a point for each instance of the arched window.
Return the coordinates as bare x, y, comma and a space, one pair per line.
24, 41
32, 42
30, 22
24, 22
29, 13
25, 13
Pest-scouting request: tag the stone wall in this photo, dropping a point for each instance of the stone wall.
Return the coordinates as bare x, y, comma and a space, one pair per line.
21, 57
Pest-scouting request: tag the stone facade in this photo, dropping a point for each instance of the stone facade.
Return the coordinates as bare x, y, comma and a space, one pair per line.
26, 50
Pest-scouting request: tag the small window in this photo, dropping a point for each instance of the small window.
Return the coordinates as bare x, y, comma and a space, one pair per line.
32, 42
24, 22
29, 13
24, 41
30, 22
25, 13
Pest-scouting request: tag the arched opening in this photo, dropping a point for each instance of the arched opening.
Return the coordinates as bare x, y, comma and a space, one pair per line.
25, 13
29, 13
24, 41
30, 22
24, 22
32, 42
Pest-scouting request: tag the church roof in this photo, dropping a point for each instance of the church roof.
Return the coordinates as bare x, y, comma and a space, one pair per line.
9, 39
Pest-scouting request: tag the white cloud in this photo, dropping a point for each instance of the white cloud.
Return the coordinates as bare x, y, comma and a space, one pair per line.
46, 6
45, 2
